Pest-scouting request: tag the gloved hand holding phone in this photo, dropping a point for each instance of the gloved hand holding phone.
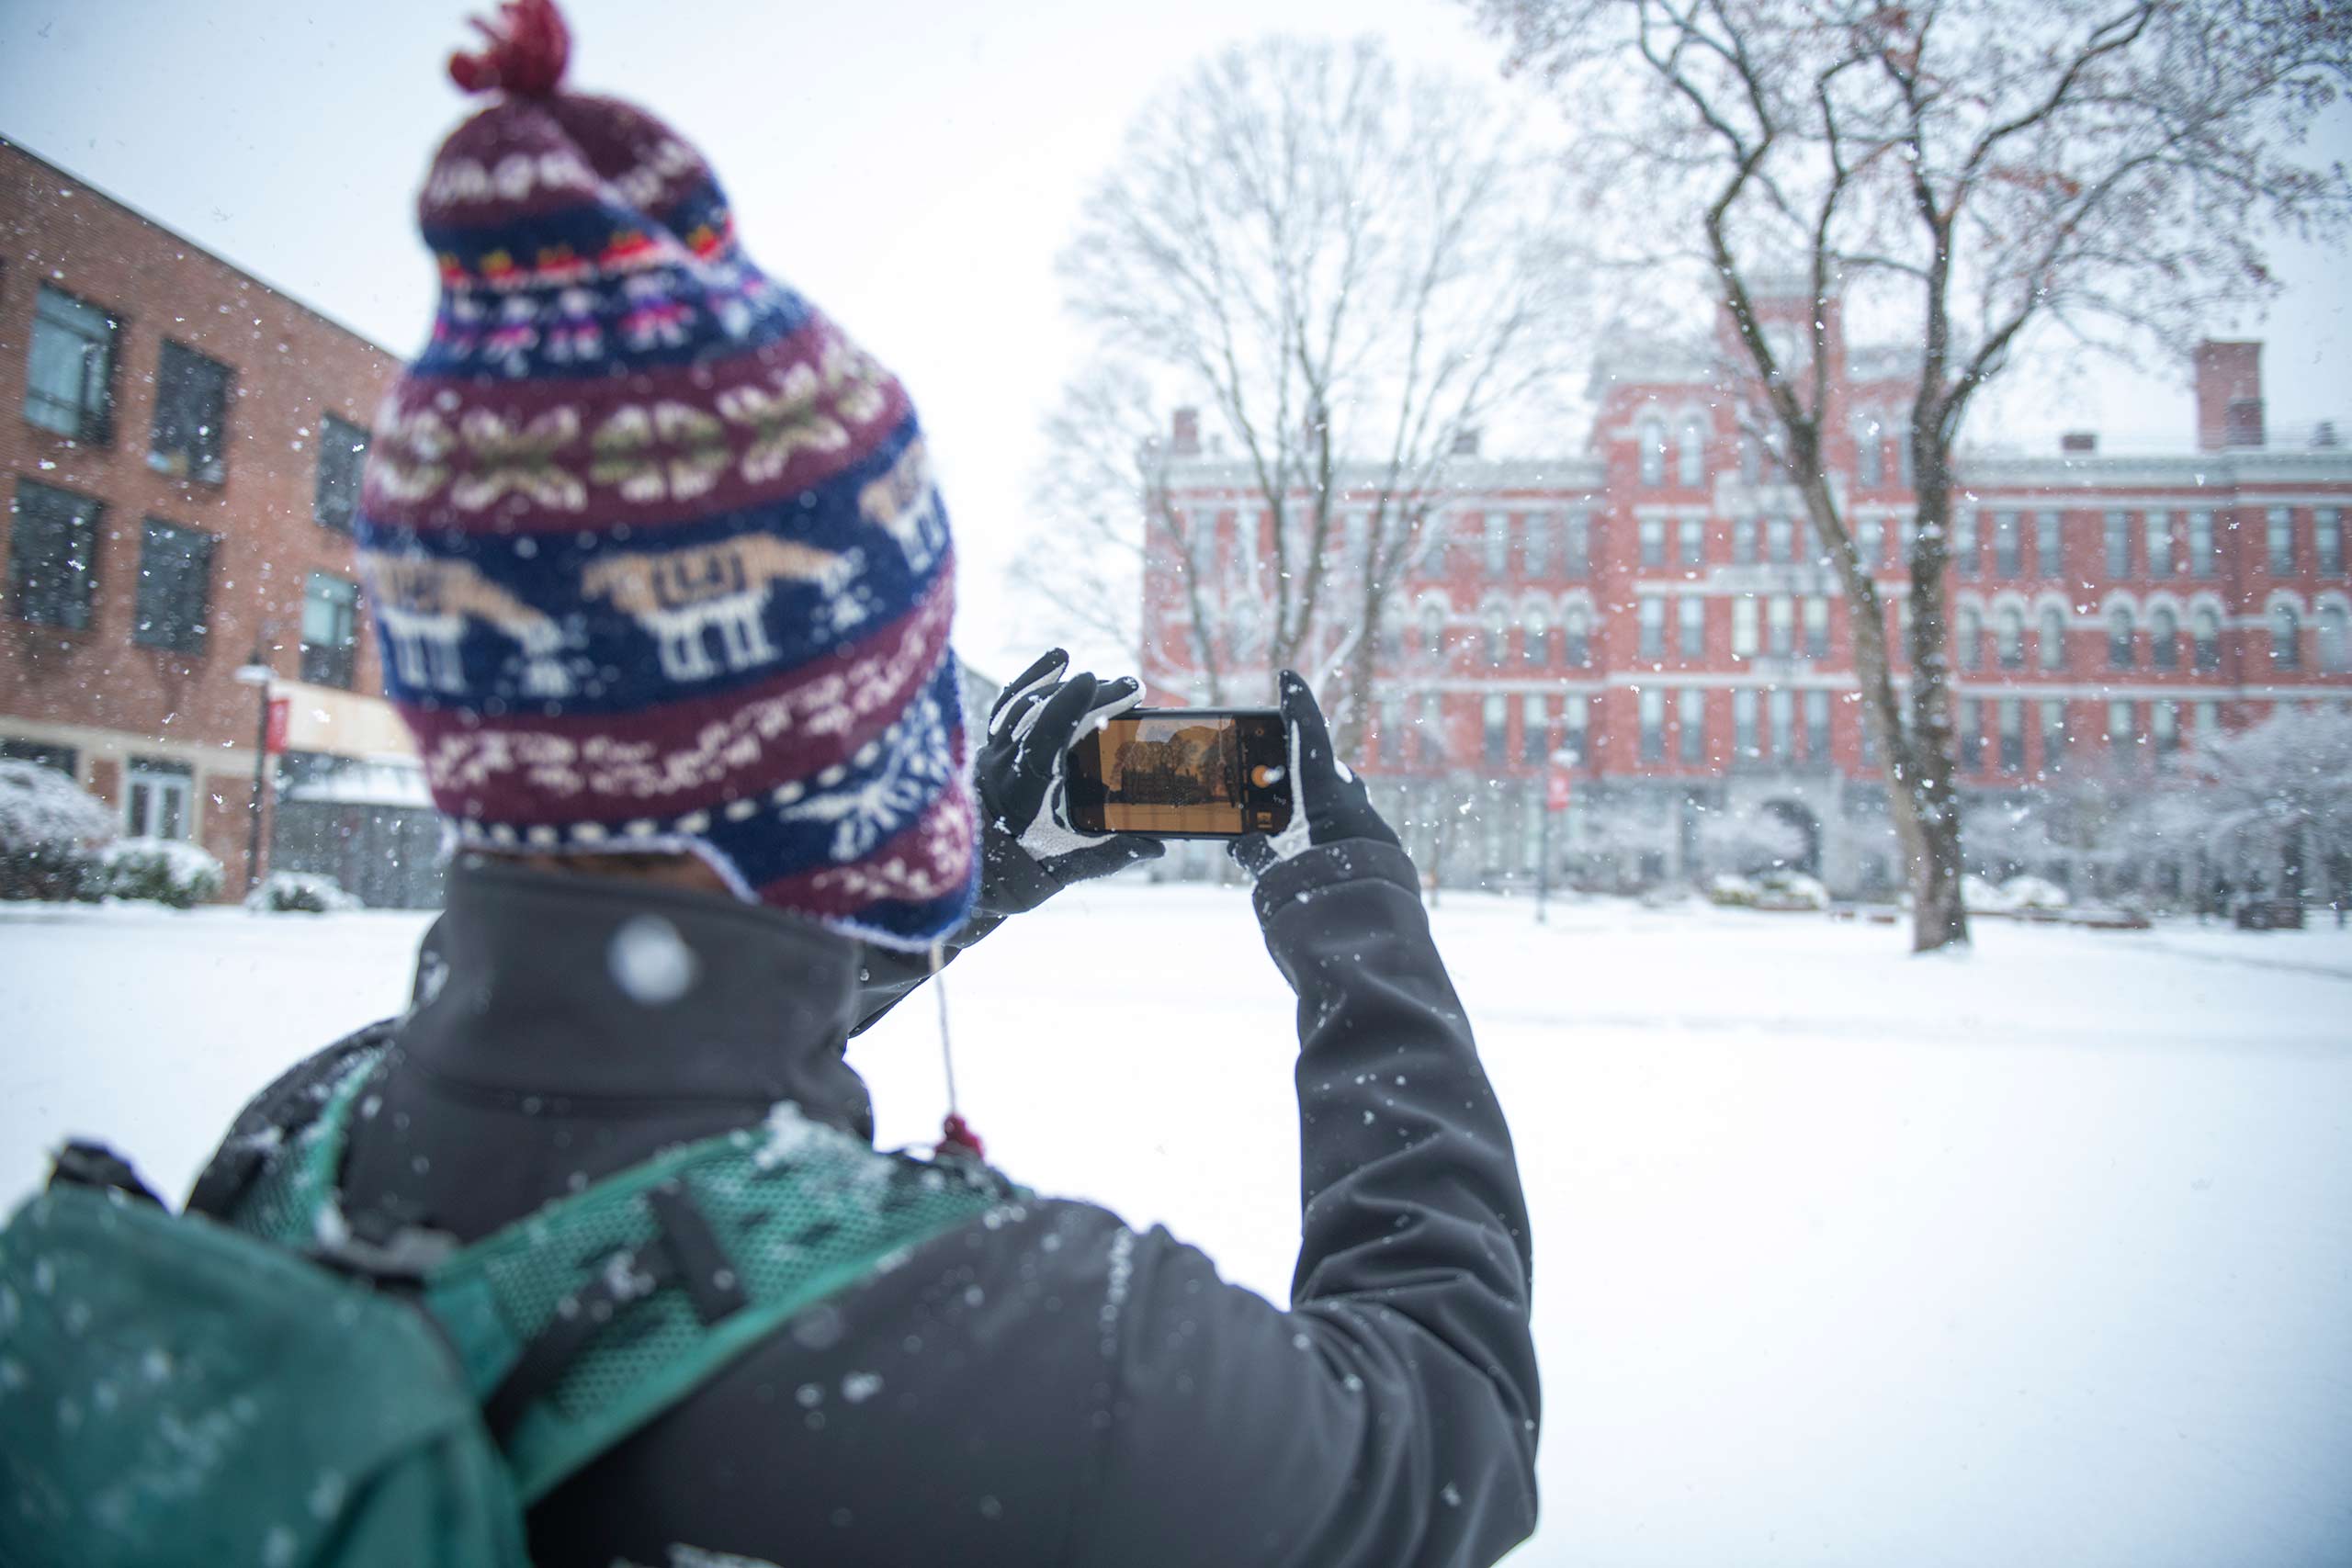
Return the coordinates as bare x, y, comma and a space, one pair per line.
1328, 800
1024, 775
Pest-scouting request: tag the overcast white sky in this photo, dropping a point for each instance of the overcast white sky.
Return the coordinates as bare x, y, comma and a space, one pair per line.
913, 165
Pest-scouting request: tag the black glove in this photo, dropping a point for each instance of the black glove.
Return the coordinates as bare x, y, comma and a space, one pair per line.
1024, 779
1329, 803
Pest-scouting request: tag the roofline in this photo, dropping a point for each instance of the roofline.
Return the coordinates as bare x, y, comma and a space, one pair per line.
12, 144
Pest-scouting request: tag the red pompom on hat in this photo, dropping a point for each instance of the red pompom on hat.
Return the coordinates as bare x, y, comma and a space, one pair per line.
529, 47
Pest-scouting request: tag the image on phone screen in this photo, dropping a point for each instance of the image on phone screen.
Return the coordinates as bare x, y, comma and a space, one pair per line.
1171, 775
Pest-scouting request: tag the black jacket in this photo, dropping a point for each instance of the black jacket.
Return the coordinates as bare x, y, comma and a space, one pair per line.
1059, 1389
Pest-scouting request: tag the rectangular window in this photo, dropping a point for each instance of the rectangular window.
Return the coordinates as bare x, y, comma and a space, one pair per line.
1434, 541
53, 555
191, 434
2164, 723
2204, 553
343, 454
1781, 537
1653, 712
1534, 730
2011, 721
1535, 545
1691, 615
1817, 726
174, 587
2008, 544
1743, 541
1653, 537
1691, 722
1743, 626
1392, 730
2156, 531
69, 374
1972, 734
1429, 735
1496, 713
1497, 543
1653, 621
2050, 554
2280, 536
1870, 542
2054, 733
156, 799
2119, 732
1781, 624
1691, 534
1572, 729
330, 630
2118, 544
1963, 542
2327, 541
2209, 719
1784, 724
1578, 541
1743, 723
1816, 627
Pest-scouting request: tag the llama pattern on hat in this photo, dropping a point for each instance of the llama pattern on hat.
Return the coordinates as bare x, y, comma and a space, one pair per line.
904, 504
425, 602
681, 596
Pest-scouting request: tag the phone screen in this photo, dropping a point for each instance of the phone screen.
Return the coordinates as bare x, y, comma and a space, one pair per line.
1171, 775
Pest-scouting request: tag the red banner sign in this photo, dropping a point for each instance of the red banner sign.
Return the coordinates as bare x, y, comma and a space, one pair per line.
1556, 790
281, 713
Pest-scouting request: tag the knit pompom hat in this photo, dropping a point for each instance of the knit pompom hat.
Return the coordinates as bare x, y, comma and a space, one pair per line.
654, 547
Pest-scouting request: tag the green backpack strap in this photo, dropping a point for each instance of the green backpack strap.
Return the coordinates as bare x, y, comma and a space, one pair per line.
580, 1323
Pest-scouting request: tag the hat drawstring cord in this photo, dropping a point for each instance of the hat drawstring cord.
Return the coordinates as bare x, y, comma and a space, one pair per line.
955, 1134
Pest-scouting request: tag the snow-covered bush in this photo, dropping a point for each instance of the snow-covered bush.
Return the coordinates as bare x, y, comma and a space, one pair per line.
166, 871
1982, 898
298, 893
1731, 892
50, 830
1781, 890
2029, 893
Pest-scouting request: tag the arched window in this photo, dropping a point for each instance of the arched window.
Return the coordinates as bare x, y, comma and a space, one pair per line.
2335, 638
2286, 637
1434, 629
1970, 634
2118, 637
1539, 636
1652, 438
2164, 639
2008, 631
1497, 635
1579, 633
2052, 637
1870, 451
2205, 628
1690, 454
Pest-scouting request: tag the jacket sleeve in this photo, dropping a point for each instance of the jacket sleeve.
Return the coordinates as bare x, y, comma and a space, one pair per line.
1390, 1416
1010, 883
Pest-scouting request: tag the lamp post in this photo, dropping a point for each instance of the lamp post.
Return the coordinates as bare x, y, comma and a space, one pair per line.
1557, 786
256, 672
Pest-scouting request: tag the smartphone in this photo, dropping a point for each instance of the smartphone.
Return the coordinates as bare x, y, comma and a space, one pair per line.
1183, 773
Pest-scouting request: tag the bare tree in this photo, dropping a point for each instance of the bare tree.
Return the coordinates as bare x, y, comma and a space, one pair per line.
2111, 169
1351, 273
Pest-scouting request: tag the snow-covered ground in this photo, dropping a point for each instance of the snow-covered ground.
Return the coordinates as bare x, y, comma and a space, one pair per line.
2042, 1255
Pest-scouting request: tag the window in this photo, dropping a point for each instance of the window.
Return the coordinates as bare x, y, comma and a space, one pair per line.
342, 454
1653, 713
2327, 541
1578, 624
1691, 613
1690, 454
2205, 629
2011, 721
1652, 445
1653, 537
1392, 632
2008, 544
1971, 725
2052, 637
2155, 530
2209, 719
1968, 631
1784, 724
1538, 648
2118, 637
1392, 730
1691, 724
2054, 733
53, 555
1963, 544
2280, 534
1781, 535
1870, 542
1534, 730
174, 585
69, 375
1743, 722
1535, 544
2008, 638
330, 630
1497, 543
1433, 630
1653, 613
2334, 639
1743, 541
2286, 637
2163, 726
1816, 627
1497, 635
2121, 734
1496, 715
1751, 460
2118, 544
1743, 626
1355, 534
1780, 625
1429, 735
2164, 639
1572, 732
156, 799
1578, 540
2204, 557
2050, 553
1692, 534
1870, 451
191, 434
1817, 726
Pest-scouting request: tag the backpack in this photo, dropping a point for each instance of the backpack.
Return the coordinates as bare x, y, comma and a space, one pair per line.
279, 1390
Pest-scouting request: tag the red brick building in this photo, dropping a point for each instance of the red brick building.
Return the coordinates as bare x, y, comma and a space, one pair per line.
1655, 608
181, 448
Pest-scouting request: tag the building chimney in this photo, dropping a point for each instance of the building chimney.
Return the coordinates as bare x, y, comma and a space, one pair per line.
1465, 442
2228, 395
2078, 443
1185, 439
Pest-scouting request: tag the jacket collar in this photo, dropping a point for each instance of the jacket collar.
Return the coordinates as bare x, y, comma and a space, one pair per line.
560, 988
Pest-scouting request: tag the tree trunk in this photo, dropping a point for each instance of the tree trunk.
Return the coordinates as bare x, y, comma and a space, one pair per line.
1939, 918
